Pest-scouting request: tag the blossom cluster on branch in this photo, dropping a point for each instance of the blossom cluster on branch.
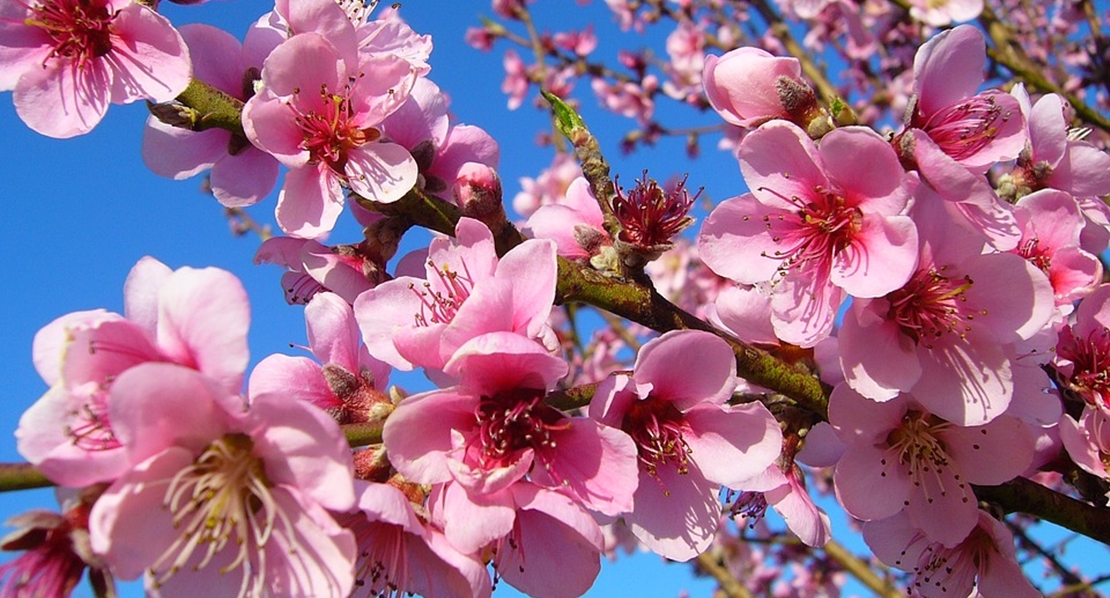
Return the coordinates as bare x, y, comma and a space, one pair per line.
906, 314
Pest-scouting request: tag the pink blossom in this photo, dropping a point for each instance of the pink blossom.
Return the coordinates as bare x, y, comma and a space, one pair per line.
939, 14
786, 492
55, 553
1088, 441
468, 291
318, 113
346, 270
982, 564
346, 383
574, 222
66, 60
195, 318
817, 223
947, 336
1051, 223
516, 79
401, 551
1083, 351
901, 456
743, 85
224, 499
495, 429
241, 173
690, 441
549, 187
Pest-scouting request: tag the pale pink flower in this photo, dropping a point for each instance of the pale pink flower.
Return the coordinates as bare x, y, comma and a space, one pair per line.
468, 291
241, 173
982, 565
901, 456
223, 496
66, 60
628, 99
495, 429
516, 79
318, 113
574, 222
401, 552
939, 14
821, 222
345, 382
690, 440
1051, 223
947, 336
194, 318
743, 86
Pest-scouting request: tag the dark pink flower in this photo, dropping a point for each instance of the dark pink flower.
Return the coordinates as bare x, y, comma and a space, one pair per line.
66, 60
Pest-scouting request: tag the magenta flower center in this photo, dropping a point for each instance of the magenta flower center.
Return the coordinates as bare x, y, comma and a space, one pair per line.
923, 454
512, 422
649, 215
1090, 357
439, 305
657, 427
962, 130
930, 305
80, 29
330, 129
823, 226
1039, 255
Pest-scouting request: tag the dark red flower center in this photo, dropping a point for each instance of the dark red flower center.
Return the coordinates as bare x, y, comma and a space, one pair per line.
930, 305
657, 427
80, 29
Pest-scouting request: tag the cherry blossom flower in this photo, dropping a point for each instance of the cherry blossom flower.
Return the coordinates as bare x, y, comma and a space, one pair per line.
690, 441
400, 551
574, 222
744, 87
195, 318
549, 187
346, 270
1051, 223
318, 113
469, 291
784, 490
495, 428
983, 564
66, 60
816, 223
349, 385
947, 336
939, 14
241, 173
224, 499
1083, 351
901, 456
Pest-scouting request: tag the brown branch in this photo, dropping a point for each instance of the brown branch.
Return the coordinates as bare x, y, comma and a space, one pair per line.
1025, 496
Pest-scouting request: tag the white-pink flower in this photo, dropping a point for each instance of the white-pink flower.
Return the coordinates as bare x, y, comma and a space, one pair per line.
690, 441
194, 318
821, 222
319, 113
66, 60
223, 499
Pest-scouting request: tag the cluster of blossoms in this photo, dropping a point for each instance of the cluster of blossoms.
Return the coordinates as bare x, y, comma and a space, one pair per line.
942, 280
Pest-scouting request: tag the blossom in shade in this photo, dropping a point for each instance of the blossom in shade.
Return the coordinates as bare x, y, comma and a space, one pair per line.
690, 442
401, 552
783, 487
319, 113
222, 498
346, 270
241, 174
468, 291
195, 318
982, 564
820, 222
495, 428
1083, 351
1051, 223
346, 383
900, 456
66, 60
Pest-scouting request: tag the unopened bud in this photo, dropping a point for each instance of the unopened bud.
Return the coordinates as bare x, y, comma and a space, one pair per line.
477, 191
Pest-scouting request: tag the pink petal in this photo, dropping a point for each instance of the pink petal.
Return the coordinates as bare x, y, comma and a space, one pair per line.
332, 331
676, 516
298, 377
178, 153
1048, 131
149, 59
141, 291
310, 202
732, 443
60, 100
243, 179
866, 169
421, 457
877, 359
734, 241
991, 454
966, 383
382, 172
665, 362
871, 483
881, 258
949, 68
596, 463
780, 161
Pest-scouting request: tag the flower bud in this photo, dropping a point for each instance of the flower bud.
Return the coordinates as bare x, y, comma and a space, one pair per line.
478, 192
749, 86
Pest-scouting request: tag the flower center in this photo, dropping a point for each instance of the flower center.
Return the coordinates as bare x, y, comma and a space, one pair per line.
514, 421
923, 454
80, 29
962, 130
90, 426
931, 304
222, 500
657, 427
329, 128
1040, 256
1090, 357
440, 304
823, 226
650, 216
